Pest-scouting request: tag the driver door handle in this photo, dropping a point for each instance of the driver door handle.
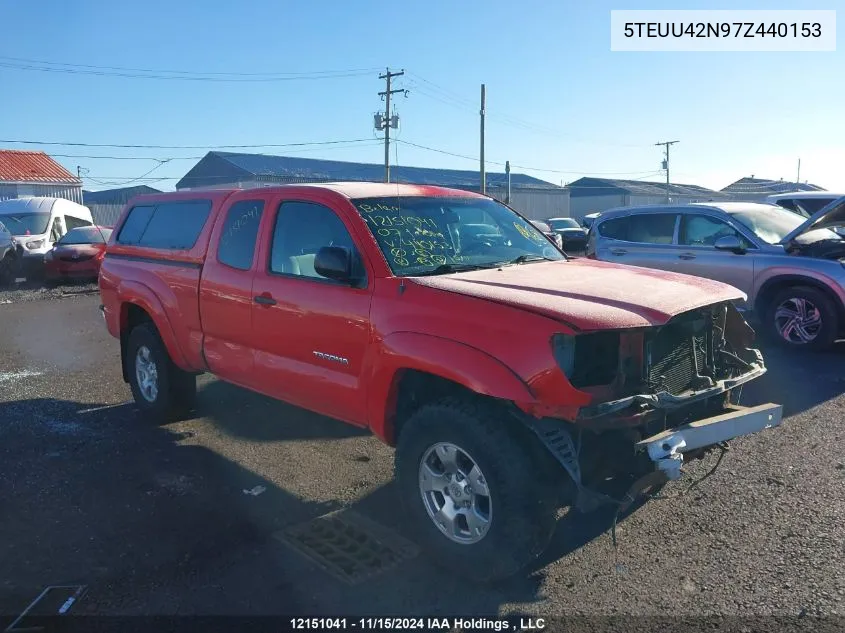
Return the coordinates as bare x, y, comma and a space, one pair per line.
265, 300
618, 251
686, 256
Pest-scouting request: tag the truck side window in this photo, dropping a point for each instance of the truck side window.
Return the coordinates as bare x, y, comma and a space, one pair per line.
135, 225
240, 231
176, 225
302, 228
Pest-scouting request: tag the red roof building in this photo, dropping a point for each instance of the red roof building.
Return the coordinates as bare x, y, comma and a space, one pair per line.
24, 173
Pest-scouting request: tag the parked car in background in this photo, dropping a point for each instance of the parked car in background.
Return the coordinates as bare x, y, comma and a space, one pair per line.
77, 255
548, 232
790, 267
8, 257
804, 203
574, 236
588, 220
483, 363
37, 223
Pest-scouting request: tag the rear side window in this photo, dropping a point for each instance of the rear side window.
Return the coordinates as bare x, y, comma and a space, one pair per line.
169, 225
616, 229
240, 231
133, 227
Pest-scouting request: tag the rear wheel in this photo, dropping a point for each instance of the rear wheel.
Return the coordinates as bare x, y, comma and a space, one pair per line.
160, 388
803, 317
475, 489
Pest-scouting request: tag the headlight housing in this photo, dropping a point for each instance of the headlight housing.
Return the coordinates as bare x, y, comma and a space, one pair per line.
563, 346
35, 244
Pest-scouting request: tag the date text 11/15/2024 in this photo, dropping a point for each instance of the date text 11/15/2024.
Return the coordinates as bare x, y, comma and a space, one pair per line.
418, 624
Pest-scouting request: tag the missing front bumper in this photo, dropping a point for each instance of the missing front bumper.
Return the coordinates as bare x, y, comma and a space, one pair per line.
666, 448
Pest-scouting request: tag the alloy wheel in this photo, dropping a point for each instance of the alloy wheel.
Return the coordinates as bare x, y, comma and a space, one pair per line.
455, 493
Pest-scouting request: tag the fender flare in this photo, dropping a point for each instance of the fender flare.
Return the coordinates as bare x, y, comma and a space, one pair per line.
814, 280
462, 364
141, 295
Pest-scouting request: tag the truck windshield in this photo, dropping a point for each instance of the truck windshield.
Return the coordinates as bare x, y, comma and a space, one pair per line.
429, 235
27, 223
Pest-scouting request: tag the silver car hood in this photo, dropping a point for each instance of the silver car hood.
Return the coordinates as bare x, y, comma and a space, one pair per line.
825, 218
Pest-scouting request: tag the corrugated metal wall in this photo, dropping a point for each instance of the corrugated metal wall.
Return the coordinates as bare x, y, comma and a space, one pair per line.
582, 205
105, 214
536, 204
15, 190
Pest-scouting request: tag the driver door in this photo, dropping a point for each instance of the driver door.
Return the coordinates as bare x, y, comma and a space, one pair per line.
698, 256
310, 333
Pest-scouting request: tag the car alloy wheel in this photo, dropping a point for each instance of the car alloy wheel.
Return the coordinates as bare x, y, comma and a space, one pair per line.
798, 320
146, 374
455, 493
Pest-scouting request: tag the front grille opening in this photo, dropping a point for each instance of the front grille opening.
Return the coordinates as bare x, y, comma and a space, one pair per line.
679, 353
596, 359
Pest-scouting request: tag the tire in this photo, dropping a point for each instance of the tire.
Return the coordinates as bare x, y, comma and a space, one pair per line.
174, 393
7, 270
819, 325
522, 499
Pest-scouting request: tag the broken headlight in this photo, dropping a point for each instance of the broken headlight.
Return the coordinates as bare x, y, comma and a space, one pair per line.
563, 346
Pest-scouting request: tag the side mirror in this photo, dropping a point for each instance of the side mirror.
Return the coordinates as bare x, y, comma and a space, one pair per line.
334, 262
729, 243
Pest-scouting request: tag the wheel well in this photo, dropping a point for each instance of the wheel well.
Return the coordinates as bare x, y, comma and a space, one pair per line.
131, 317
414, 389
772, 287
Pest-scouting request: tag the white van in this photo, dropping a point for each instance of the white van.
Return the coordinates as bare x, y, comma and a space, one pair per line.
37, 223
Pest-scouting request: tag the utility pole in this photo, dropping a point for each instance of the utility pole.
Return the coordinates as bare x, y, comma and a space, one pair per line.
388, 121
483, 174
798, 178
667, 145
508, 173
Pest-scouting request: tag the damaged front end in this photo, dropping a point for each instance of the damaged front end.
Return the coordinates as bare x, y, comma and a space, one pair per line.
659, 393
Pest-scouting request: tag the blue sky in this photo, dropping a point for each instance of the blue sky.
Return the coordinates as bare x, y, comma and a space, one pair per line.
557, 97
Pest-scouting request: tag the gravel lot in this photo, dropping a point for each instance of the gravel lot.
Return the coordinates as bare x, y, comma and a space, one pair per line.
156, 520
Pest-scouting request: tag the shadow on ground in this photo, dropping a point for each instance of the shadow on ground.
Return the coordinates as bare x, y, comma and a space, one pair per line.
155, 525
248, 415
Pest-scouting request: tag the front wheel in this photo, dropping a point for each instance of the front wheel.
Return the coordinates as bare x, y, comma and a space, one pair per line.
803, 317
7, 270
160, 388
475, 489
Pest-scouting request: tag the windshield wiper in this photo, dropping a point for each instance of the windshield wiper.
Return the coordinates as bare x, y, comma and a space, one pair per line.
444, 269
529, 258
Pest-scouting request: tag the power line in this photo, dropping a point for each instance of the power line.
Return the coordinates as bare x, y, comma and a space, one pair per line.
526, 167
208, 78
172, 158
448, 97
208, 147
188, 72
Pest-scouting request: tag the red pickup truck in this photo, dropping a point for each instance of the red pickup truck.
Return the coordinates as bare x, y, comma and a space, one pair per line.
511, 378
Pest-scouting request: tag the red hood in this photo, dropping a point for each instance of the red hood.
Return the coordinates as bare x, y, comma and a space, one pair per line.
589, 294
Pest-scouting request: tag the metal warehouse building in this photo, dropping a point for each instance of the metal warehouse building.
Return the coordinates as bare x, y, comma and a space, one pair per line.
589, 195
534, 198
25, 174
756, 189
107, 204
